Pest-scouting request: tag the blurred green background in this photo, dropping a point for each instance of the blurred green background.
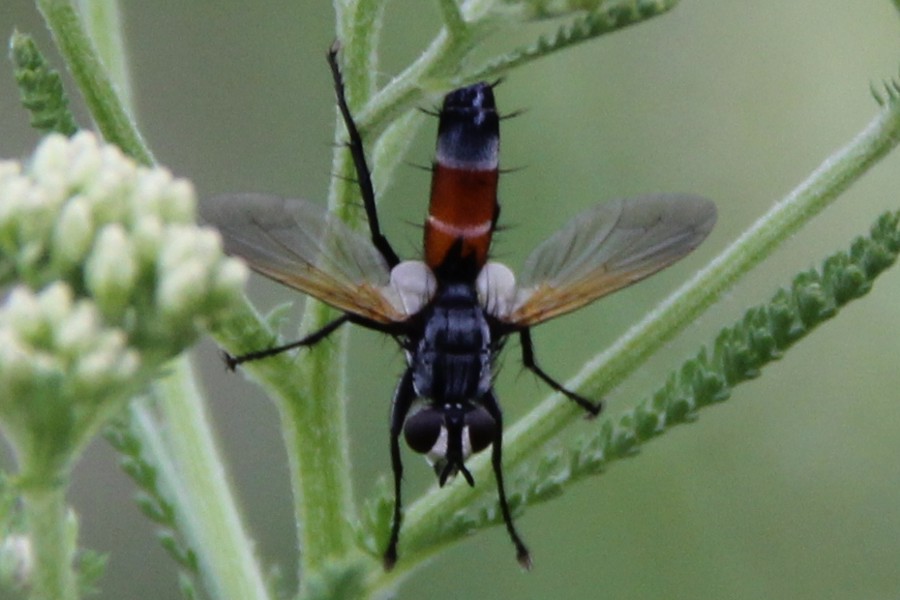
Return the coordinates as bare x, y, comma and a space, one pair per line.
789, 490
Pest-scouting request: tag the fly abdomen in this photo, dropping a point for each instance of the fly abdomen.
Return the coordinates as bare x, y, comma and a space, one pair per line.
463, 207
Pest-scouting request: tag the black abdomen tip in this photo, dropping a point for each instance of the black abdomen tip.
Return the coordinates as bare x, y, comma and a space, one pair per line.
469, 130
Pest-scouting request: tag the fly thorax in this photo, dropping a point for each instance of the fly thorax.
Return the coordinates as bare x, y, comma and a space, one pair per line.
452, 360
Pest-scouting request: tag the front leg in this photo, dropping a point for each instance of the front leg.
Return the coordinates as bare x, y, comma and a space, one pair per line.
403, 399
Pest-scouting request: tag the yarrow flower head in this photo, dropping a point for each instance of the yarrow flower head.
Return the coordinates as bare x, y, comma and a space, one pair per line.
108, 276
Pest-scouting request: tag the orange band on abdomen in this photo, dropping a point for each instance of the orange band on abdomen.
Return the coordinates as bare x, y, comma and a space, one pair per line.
462, 210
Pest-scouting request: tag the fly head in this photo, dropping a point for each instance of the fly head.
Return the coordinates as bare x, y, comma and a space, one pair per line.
447, 434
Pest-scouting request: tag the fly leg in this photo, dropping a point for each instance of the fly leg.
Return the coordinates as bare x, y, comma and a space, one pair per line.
403, 399
489, 401
531, 364
309, 340
363, 175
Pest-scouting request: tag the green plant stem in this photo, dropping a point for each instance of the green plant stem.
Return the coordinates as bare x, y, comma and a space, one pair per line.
453, 18
359, 30
207, 512
87, 68
103, 22
442, 57
53, 550
608, 369
313, 412
314, 427
308, 391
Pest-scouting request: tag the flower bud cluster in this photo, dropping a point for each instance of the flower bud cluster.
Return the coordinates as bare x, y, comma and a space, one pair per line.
107, 277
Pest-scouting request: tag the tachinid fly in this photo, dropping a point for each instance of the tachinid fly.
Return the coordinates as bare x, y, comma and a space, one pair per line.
452, 311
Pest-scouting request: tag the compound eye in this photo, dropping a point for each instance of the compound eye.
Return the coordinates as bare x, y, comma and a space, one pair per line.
423, 429
482, 428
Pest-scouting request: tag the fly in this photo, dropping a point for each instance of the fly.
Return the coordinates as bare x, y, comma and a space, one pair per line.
452, 311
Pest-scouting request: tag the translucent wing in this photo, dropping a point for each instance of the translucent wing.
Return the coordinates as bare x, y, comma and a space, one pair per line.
605, 249
299, 244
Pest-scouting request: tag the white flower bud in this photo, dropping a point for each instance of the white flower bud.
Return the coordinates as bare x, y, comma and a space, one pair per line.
16, 560
111, 191
15, 363
83, 160
13, 188
150, 190
22, 314
51, 159
9, 169
207, 244
114, 162
181, 289
147, 238
231, 278
74, 232
111, 270
75, 335
181, 244
180, 205
55, 303
104, 362
128, 364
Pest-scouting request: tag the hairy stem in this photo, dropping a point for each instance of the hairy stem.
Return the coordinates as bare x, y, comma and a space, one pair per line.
207, 510
53, 551
93, 80
103, 22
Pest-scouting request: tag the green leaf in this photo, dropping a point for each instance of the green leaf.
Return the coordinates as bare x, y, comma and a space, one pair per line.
40, 87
